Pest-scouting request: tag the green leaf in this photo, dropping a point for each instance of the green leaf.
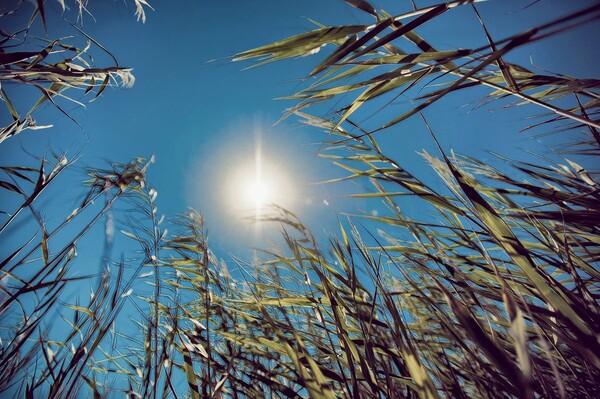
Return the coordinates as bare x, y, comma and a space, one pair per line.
363, 5
303, 44
351, 46
403, 29
11, 187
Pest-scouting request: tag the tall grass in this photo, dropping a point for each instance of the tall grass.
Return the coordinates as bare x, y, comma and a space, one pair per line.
49, 342
495, 299
494, 296
56, 68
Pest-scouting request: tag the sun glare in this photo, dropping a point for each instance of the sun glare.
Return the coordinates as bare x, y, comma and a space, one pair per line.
258, 183
258, 193
259, 189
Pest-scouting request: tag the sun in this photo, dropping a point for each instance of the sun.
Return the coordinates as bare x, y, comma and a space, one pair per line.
258, 192
257, 183
258, 189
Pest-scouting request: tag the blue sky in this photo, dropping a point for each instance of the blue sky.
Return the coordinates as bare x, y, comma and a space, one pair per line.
200, 114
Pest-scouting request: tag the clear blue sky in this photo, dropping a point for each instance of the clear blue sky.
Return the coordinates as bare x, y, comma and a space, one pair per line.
200, 119
200, 115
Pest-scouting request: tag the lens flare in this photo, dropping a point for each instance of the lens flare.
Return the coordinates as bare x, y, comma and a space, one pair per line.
258, 193
258, 182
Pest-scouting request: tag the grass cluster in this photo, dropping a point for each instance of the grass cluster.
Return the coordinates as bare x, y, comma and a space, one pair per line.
53, 67
495, 295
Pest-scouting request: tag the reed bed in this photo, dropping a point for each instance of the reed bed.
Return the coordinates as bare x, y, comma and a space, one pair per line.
493, 295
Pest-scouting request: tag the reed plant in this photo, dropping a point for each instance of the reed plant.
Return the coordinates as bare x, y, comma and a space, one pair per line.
493, 295
55, 68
